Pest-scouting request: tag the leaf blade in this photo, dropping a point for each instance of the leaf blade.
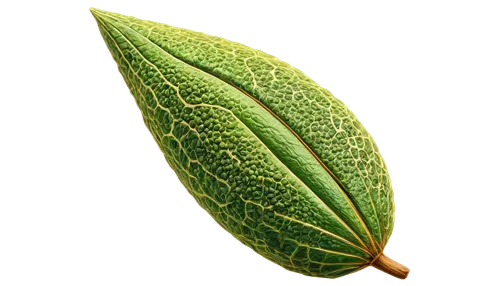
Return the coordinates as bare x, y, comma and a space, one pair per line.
253, 120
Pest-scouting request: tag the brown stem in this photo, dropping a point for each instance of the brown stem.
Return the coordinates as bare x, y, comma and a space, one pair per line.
390, 266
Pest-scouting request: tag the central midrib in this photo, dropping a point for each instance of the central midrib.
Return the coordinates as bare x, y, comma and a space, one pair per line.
308, 148
334, 177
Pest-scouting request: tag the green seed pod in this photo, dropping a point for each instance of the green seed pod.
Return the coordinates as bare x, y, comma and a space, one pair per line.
274, 158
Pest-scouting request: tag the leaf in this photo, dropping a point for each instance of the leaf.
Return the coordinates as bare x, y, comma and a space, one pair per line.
275, 159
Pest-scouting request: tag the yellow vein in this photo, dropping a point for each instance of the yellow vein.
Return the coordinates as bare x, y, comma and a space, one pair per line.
323, 231
374, 243
356, 269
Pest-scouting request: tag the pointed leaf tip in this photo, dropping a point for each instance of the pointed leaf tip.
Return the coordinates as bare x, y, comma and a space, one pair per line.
92, 7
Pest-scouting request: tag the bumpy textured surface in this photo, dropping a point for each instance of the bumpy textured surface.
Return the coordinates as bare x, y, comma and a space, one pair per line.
275, 159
